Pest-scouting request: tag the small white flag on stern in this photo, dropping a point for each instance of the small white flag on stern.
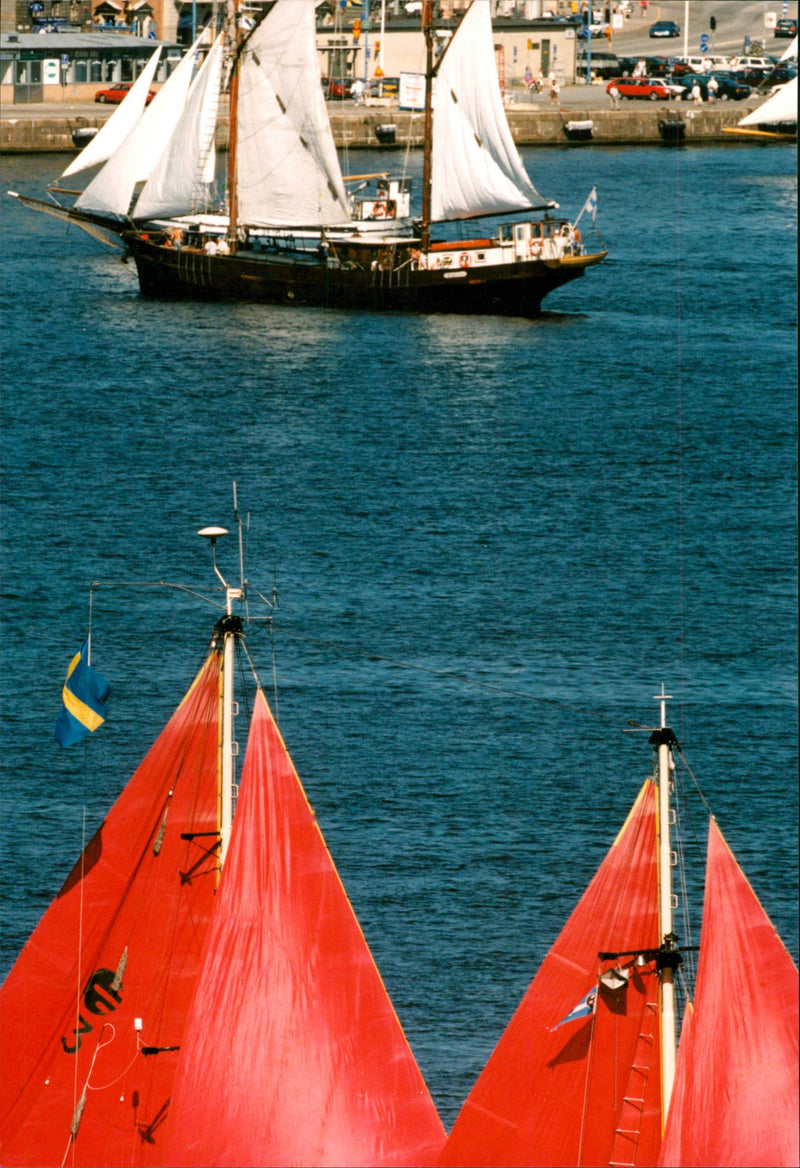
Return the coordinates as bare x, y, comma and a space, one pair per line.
589, 206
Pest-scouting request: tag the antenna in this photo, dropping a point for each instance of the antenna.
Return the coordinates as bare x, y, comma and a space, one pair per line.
212, 534
238, 521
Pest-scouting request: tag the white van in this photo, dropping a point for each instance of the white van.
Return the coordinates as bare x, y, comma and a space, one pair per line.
751, 63
697, 64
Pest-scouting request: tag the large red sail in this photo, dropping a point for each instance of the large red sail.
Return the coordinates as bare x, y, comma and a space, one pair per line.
736, 1087
92, 1013
585, 1091
293, 1053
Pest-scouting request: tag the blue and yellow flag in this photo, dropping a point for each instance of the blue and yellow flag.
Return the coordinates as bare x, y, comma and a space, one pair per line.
84, 695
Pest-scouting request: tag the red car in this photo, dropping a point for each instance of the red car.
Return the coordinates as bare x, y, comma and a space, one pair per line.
117, 93
334, 87
652, 88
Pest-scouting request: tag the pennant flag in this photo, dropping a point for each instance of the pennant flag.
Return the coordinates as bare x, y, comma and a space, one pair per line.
84, 695
590, 206
584, 1008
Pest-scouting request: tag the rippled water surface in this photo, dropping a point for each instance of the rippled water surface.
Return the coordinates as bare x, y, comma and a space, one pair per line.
493, 540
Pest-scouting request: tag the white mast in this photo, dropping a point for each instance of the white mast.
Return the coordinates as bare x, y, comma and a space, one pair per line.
664, 739
230, 627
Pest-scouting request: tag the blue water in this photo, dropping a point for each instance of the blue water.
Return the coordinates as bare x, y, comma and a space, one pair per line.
493, 540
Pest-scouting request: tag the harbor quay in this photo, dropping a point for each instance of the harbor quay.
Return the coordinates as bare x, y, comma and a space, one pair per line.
583, 114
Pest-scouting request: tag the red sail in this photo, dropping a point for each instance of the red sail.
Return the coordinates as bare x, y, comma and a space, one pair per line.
293, 1052
121, 942
736, 1088
585, 1091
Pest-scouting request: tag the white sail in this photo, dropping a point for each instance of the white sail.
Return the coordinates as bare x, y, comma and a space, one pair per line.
780, 107
476, 168
287, 167
113, 133
179, 184
112, 189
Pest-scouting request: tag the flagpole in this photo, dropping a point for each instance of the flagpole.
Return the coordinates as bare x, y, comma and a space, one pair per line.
592, 199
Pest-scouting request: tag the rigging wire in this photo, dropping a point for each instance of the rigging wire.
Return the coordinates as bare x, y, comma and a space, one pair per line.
448, 675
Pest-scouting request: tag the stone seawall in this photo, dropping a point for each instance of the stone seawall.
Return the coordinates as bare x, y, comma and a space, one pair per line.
358, 127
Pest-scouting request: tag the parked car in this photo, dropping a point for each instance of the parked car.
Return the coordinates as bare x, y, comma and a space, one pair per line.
648, 88
728, 88
334, 87
114, 94
740, 64
779, 76
658, 66
665, 28
627, 65
597, 27
786, 27
604, 64
383, 87
751, 77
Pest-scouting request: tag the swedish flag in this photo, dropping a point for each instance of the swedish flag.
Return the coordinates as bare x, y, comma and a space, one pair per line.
84, 695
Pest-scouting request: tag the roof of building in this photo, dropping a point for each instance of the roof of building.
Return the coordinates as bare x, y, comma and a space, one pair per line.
59, 42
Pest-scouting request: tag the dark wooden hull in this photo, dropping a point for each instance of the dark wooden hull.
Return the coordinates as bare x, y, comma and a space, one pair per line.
382, 280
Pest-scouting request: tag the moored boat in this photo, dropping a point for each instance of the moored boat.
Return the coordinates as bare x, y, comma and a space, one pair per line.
775, 118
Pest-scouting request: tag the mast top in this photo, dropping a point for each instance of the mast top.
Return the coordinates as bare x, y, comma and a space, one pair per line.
663, 698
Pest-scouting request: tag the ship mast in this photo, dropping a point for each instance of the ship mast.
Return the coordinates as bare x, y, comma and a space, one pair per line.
427, 156
229, 628
233, 99
669, 956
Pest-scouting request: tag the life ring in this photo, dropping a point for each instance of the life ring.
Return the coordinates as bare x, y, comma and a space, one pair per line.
466, 260
535, 246
378, 210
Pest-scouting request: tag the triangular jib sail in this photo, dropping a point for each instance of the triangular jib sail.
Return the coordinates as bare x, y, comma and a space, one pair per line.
113, 132
306, 1061
180, 182
476, 167
736, 1097
112, 189
556, 1089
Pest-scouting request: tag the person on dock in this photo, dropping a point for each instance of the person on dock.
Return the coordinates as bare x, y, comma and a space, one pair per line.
555, 89
712, 88
614, 95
